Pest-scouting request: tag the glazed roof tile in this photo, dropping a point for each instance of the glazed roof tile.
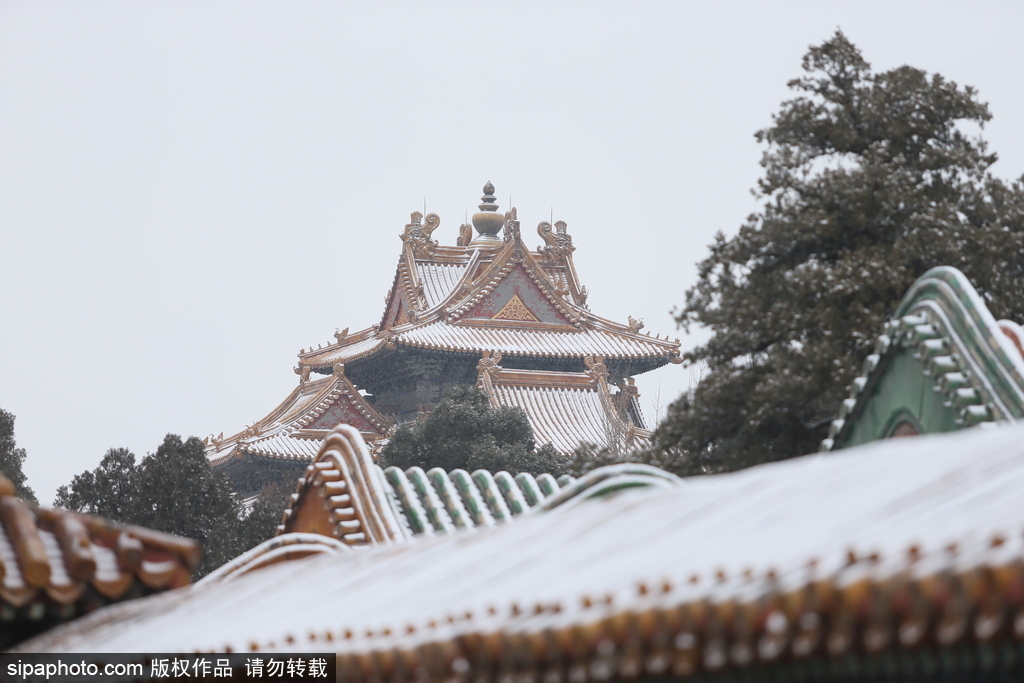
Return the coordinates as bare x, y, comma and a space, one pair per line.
970, 358
343, 353
79, 562
435, 303
565, 409
285, 432
302, 398
346, 495
284, 445
428, 283
926, 528
534, 342
439, 279
565, 417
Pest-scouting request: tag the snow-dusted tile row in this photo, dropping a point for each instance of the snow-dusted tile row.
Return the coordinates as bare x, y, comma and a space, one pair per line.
565, 417
344, 353
284, 445
939, 508
439, 279
538, 343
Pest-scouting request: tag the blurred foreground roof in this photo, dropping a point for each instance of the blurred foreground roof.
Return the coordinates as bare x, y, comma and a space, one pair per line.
903, 545
56, 565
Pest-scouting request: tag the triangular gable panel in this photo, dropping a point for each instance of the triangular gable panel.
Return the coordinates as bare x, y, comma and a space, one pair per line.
500, 303
515, 309
341, 411
395, 314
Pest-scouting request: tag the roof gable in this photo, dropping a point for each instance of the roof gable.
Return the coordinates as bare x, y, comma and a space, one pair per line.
404, 299
344, 410
943, 363
515, 289
293, 429
395, 314
517, 297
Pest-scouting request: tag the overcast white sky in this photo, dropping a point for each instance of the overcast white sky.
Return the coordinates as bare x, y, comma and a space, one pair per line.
192, 191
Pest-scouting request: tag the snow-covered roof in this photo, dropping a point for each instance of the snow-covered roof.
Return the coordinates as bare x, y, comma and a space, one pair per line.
439, 279
454, 303
961, 354
442, 335
432, 305
344, 494
345, 351
889, 546
531, 342
565, 409
295, 429
283, 445
59, 564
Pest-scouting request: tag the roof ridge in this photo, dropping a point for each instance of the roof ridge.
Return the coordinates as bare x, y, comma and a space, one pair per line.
343, 490
511, 255
970, 359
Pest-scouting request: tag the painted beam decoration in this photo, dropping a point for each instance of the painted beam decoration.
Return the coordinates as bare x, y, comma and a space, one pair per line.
448, 307
942, 363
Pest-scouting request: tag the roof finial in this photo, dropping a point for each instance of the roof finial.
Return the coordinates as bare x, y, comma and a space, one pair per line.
488, 222
488, 199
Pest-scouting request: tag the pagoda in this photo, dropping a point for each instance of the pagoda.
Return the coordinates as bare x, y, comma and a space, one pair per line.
488, 311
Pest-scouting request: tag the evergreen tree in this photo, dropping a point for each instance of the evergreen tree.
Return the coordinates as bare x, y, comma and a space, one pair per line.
465, 432
264, 517
179, 493
175, 490
869, 180
12, 458
108, 491
588, 456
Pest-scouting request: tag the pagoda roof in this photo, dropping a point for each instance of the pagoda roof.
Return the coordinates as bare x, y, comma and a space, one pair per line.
537, 343
475, 298
438, 334
446, 298
294, 430
565, 409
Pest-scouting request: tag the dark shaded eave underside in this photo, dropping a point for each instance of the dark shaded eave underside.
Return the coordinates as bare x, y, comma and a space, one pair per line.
617, 367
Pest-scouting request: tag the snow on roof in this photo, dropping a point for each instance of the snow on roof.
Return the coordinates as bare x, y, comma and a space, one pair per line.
969, 358
291, 431
752, 551
284, 445
565, 417
307, 394
534, 342
345, 494
343, 353
439, 279
57, 564
565, 409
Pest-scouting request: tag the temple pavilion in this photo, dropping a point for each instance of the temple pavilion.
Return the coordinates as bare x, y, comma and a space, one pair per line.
487, 311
